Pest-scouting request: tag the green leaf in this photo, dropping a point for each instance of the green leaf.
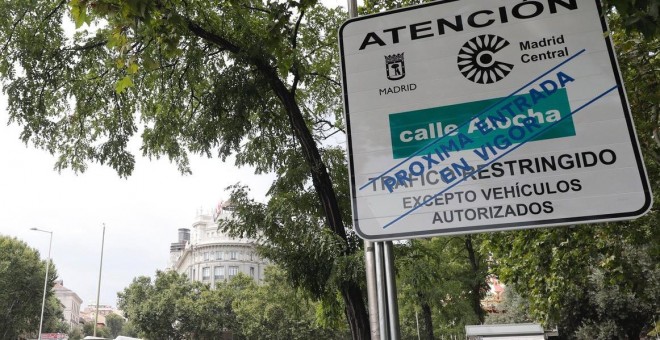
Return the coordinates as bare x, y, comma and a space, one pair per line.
123, 84
132, 68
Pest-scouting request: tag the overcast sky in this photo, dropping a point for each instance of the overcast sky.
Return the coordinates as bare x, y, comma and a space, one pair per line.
141, 213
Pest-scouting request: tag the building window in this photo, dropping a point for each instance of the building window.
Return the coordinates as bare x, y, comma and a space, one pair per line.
219, 273
233, 255
206, 256
218, 255
233, 271
252, 272
206, 273
251, 256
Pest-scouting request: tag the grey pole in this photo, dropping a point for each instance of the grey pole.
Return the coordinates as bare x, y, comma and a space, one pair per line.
417, 323
43, 301
392, 301
372, 293
352, 8
98, 290
382, 294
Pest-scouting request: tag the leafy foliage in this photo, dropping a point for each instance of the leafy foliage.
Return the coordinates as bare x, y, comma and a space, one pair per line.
76, 333
277, 310
172, 307
257, 79
169, 308
513, 309
440, 282
22, 275
639, 15
115, 324
88, 330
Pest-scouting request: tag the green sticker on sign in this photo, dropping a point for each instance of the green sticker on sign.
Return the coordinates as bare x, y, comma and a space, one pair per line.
412, 130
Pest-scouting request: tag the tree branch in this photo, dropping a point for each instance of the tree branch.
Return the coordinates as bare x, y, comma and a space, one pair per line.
296, 79
257, 9
212, 37
332, 134
331, 125
334, 82
294, 37
294, 41
89, 46
13, 29
60, 4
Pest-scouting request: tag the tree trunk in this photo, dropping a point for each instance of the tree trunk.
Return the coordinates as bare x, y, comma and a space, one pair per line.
352, 295
427, 318
356, 313
634, 332
428, 321
475, 289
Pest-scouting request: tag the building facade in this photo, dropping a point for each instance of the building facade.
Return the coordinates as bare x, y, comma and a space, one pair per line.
205, 254
71, 302
89, 313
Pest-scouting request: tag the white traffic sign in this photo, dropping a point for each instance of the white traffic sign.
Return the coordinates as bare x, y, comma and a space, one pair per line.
471, 115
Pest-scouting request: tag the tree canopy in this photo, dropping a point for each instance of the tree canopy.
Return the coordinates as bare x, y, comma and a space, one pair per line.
22, 275
173, 307
257, 79
441, 282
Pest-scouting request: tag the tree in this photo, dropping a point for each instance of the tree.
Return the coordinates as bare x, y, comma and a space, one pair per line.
638, 16
254, 78
21, 290
88, 330
154, 308
115, 324
441, 282
172, 307
76, 333
54, 315
513, 309
277, 310
583, 277
130, 330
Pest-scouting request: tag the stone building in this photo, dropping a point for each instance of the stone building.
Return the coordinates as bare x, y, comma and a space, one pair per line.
203, 253
71, 302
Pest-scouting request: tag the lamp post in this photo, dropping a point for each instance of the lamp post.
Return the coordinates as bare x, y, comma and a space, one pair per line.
98, 290
43, 302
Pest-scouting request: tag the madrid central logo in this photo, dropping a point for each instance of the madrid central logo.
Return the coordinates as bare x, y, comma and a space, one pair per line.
476, 59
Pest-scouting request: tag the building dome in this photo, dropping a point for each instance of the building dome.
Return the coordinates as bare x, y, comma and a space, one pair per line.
211, 256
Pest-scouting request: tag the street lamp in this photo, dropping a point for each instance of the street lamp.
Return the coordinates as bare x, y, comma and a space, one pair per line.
43, 302
98, 291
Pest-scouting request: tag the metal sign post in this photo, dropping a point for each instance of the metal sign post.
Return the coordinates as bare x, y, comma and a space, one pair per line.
390, 285
388, 308
377, 263
372, 292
